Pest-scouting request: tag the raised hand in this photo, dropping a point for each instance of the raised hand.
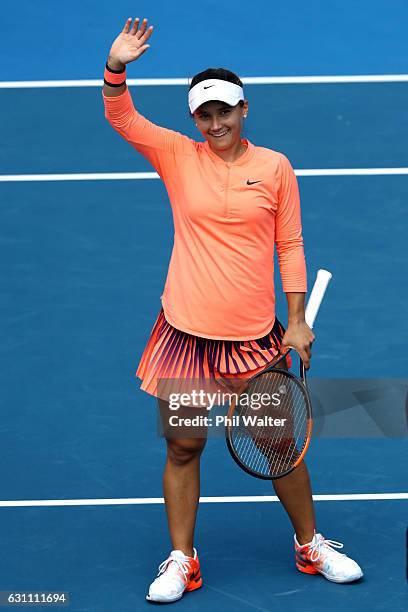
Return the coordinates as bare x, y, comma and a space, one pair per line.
131, 43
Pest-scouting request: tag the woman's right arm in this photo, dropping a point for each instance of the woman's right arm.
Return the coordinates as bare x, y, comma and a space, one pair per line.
128, 47
109, 91
158, 145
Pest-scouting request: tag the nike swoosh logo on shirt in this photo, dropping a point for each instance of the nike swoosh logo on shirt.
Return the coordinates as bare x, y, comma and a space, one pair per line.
252, 182
208, 86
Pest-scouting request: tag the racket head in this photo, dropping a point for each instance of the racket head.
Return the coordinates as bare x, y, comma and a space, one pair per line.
269, 441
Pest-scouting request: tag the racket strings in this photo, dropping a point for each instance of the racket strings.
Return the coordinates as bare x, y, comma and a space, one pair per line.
272, 448
266, 444
265, 448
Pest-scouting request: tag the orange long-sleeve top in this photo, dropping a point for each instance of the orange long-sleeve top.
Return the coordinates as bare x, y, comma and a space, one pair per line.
227, 218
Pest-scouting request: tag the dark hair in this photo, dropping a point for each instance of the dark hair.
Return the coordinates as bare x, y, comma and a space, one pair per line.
216, 73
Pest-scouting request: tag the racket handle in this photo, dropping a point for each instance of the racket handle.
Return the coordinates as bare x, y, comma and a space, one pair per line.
319, 289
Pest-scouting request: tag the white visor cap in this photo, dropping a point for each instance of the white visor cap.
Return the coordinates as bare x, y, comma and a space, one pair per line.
214, 89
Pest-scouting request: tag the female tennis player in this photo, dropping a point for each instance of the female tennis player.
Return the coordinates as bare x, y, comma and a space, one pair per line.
232, 202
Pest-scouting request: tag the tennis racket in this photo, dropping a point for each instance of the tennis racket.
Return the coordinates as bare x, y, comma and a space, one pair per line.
269, 422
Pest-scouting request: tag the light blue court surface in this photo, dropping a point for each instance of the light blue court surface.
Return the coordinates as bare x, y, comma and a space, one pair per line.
50, 40
82, 267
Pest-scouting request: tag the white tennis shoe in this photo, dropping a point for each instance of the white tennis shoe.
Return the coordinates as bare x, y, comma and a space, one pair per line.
319, 556
178, 573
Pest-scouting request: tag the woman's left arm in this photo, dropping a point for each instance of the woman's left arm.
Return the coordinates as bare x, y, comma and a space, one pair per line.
292, 265
298, 334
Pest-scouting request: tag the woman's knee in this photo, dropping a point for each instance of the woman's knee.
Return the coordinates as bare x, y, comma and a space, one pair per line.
182, 451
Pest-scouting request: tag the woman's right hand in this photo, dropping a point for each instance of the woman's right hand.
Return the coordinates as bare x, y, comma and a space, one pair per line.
130, 44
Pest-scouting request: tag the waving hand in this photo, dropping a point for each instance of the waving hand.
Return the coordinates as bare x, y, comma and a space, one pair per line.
131, 42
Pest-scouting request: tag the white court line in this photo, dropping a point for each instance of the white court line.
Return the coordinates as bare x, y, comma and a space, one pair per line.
123, 176
206, 500
265, 80
351, 171
93, 176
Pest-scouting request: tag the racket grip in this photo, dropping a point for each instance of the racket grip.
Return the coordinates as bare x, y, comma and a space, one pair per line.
319, 289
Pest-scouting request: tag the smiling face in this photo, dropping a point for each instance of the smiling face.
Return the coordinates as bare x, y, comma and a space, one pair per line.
221, 124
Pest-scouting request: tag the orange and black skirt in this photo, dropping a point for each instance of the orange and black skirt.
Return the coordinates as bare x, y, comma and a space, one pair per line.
173, 358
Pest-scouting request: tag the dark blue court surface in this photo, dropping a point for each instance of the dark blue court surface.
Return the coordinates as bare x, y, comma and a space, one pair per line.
105, 557
82, 267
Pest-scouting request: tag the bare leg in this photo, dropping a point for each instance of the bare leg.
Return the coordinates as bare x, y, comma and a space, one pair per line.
181, 488
294, 491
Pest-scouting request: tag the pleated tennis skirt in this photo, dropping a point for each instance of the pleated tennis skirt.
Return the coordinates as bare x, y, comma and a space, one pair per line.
173, 360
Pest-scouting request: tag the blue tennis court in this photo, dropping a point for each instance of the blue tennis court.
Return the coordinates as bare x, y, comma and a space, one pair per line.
85, 244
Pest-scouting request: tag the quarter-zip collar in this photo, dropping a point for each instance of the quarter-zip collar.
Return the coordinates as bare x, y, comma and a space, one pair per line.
242, 159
